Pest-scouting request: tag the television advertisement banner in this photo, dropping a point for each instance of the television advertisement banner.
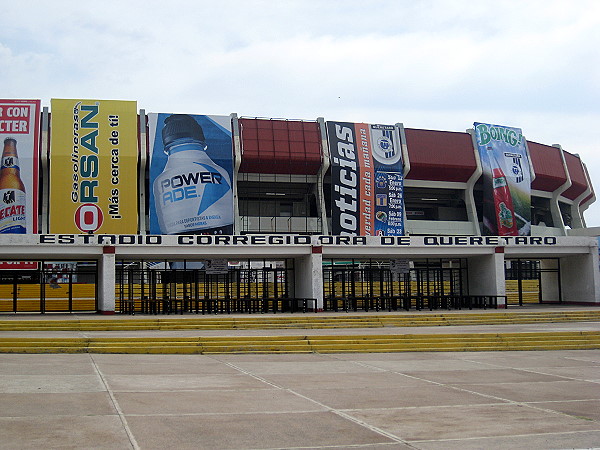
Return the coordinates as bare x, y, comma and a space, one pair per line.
93, 170
19, 194
366, 179
191, 173
506, 180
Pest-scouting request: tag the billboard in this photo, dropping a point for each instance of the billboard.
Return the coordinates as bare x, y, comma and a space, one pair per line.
19, 134
93, 166
366, 179
191, 174
506, 180
18, 265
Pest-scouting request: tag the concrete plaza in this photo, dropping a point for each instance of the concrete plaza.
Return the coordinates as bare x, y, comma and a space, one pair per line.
382, 400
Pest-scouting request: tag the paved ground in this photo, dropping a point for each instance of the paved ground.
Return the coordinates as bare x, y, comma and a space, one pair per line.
399, 400
447, 400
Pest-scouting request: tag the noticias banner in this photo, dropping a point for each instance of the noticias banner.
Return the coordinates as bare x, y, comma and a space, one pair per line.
367, 186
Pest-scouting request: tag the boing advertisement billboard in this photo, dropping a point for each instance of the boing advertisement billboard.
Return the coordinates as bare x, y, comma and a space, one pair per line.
506, 180
191, 174
93, 167
367, 185
19, 135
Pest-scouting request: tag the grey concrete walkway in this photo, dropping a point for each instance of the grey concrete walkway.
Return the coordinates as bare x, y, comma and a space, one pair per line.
448, 400
481, 400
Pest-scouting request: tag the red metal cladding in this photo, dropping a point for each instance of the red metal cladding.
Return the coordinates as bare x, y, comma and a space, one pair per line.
280, 146
294, 147
547, 164
578, 181
440, 155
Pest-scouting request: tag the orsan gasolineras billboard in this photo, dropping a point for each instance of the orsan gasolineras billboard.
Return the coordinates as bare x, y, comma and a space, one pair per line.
191, 173
19, 135
506, 180
93, 166
367, 195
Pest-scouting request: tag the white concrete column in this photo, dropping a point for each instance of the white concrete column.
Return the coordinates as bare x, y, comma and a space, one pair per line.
309, 276
144, 220
106, 282
486, 276
237, 162
470, 190
325, 163
557, 219
580, 278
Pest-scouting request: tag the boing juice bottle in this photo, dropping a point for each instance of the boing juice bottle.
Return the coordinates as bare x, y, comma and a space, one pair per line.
503, 205
193, 194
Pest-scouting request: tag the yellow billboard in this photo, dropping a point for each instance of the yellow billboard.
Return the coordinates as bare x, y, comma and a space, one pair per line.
93, 166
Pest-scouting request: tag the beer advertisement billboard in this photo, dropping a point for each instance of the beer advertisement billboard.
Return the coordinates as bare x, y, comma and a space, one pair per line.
506, 180
93, 166
191, 174
19, 134
367, 186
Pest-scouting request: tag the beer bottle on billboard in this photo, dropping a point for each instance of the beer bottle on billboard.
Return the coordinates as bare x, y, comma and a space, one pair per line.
12, 191
503, 204
193, 194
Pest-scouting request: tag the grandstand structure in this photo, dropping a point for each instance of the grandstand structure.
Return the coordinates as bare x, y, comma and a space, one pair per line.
283, 254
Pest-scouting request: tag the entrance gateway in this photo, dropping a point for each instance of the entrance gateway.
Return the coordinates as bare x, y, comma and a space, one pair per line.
309, 266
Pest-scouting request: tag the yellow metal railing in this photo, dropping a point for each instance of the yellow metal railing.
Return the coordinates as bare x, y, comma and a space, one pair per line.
57, 299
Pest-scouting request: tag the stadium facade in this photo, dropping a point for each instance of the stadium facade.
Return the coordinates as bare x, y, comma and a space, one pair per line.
331, 214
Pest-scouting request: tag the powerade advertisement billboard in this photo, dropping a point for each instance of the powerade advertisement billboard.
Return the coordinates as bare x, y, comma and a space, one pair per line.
191, 173
366, 179
19, 135
93, 166
506, 180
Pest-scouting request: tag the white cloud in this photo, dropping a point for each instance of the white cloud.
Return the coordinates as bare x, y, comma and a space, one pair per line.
430, 64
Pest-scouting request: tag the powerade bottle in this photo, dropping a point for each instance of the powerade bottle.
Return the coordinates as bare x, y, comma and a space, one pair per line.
193, 194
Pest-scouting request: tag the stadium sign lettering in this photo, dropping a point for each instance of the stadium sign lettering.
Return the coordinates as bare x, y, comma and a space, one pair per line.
270, 240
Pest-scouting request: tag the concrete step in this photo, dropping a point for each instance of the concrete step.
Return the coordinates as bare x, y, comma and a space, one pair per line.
301, 321
313, 344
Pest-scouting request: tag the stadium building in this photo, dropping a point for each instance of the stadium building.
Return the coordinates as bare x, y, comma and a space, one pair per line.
159, 213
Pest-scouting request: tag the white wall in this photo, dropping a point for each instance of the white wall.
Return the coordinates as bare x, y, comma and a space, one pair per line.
580, 278
549, 281
591, 231
439, 227
537, 230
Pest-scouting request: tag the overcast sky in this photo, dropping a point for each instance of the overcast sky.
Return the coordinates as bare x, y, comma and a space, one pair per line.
429, 64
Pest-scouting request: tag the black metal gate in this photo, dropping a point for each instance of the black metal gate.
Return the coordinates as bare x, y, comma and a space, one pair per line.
374, 285
247, 286
525, 281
